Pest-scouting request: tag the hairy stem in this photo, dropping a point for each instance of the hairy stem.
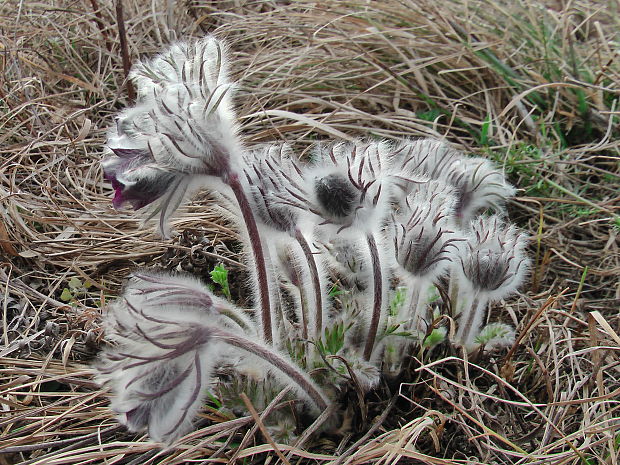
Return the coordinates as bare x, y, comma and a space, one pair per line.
316, 282
454, 293
453, 288
418, 304
471, 318
275, 360
303, 301
257, 250
378, 296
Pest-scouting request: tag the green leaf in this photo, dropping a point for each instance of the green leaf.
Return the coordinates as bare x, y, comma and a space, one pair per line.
484, 131
335, 291
219, 275
66, 296
500, 334
214, 400
436, 336
333, 339
433, 294
74, 283
397, 301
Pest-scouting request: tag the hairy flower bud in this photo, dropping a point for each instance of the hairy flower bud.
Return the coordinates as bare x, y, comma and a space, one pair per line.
182, 127
336, 195
494, 261
477, 184
493, 265
270, 171
422, 232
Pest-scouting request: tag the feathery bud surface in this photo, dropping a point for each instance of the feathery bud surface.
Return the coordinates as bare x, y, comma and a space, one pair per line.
494, 261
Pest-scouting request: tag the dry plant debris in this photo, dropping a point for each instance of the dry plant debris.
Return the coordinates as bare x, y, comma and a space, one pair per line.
530, 85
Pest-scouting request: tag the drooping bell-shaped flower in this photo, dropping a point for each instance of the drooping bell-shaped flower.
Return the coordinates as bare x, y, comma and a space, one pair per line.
162, 362
181, 128
189, 123
181, 135
479, 186
169, 332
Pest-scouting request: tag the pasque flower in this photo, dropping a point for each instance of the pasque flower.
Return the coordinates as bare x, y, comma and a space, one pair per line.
181, 127
350, 190
423, 231
182, 135
424, 243
169, 332
347, 188
494, 259
350, 185
492, 265
393, 217
269, 171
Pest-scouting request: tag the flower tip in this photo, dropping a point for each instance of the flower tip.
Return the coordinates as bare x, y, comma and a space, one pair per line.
117, 201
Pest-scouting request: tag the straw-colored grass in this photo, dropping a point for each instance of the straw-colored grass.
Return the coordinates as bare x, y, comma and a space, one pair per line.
533, 85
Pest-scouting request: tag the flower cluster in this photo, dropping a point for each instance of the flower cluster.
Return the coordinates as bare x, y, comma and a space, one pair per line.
349, 253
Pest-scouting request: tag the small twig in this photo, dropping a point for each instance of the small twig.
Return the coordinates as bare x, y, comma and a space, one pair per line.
579, 289
313, 427
99, 22
550, 301
262, 427
580, 198
122, 34
144, 458
363, 407
81, 440
370, 432
275, 403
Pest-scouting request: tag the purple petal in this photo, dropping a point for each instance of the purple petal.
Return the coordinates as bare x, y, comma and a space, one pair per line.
141, 191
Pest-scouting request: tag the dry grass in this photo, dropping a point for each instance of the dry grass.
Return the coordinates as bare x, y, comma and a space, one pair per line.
533, 85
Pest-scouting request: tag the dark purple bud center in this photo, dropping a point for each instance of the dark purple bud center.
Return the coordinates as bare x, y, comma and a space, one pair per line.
336, 195
489, 270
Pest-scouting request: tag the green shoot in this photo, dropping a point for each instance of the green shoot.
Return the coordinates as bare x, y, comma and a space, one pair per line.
437, 336
75, 289
219, 275
335, 291
334, 339
397, 301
